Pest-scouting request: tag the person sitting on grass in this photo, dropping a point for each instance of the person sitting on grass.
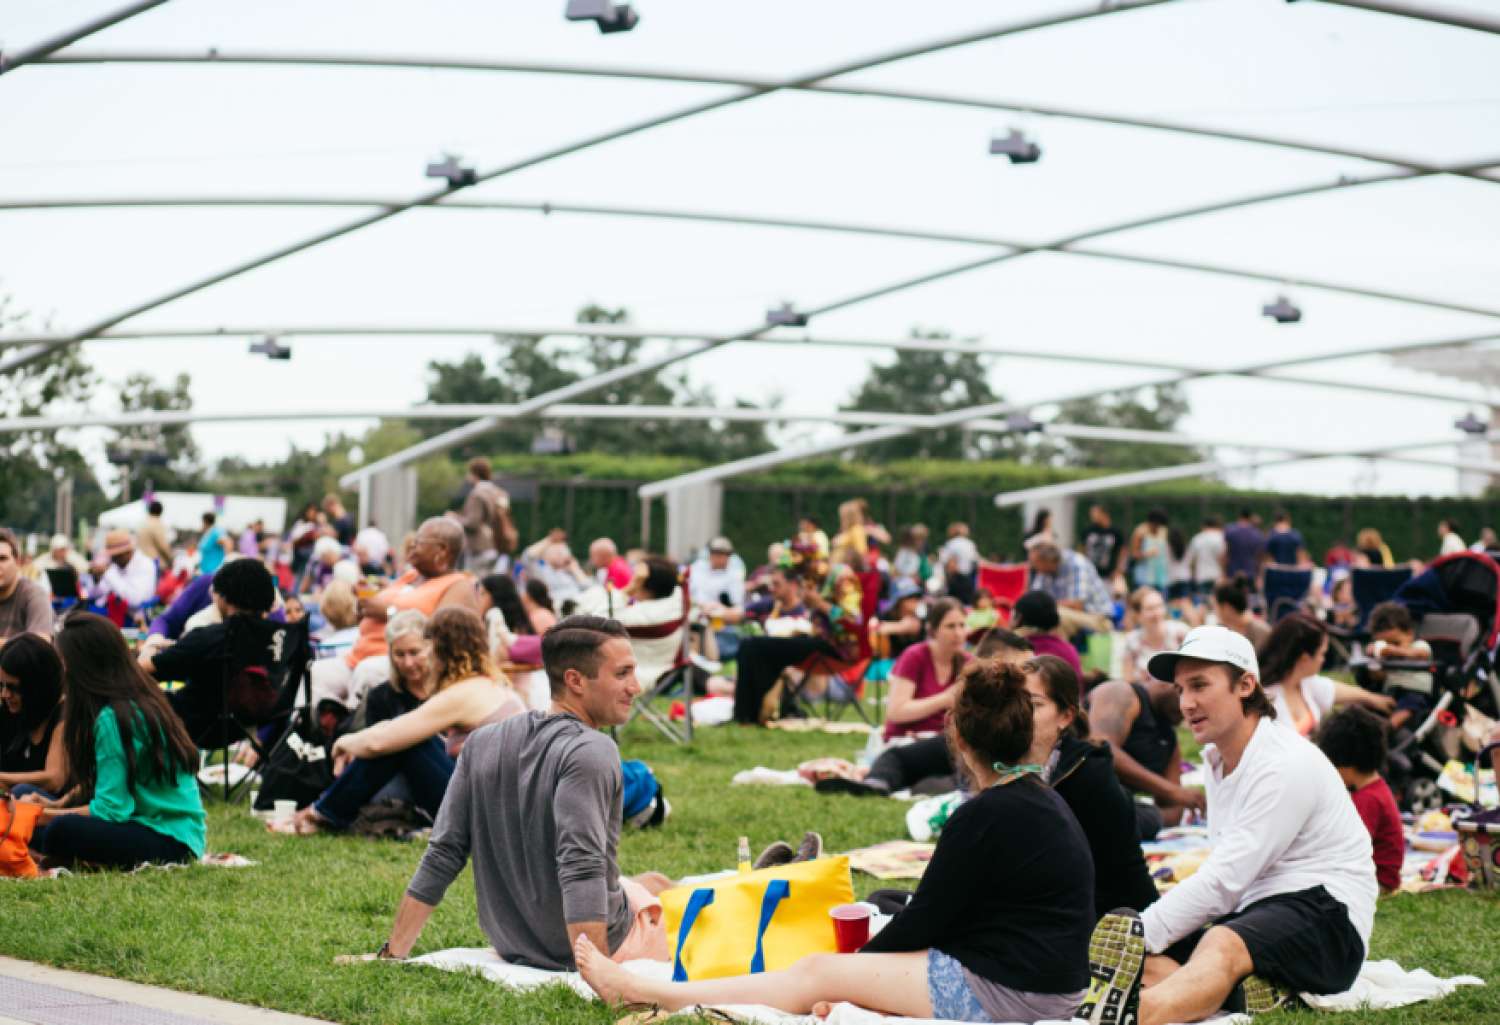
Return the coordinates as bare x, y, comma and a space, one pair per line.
1139, 721
1283, 904
1291, 659
467, 692
536, 804
1035, 617
925, 766
998, 928
1083, 773
133, 797
32, 755
1355, 742
922, 680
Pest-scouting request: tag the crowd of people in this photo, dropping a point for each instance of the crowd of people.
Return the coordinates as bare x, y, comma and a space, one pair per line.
467, 678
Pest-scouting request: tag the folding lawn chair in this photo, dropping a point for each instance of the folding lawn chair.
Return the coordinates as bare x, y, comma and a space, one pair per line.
679, 677
263, 663
1005, 581
1285, 591
1370, 587
850, 674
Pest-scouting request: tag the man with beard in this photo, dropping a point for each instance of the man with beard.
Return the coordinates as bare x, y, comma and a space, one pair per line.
1140, 722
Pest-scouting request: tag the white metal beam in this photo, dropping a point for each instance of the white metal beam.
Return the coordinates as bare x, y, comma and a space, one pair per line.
40, 51
226, 58
718, 217
754, 464
1435, 13
461, 435
33, 353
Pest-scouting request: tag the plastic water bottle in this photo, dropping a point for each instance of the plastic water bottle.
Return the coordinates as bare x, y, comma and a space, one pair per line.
744, 854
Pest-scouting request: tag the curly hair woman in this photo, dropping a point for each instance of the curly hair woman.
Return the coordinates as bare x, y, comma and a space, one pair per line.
423, 745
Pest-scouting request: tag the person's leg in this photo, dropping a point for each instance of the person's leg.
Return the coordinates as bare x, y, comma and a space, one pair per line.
427, 769
1148, 820
73, 839
1200, 987
902, 766
890, 983
22, 789
361, 780
761, 661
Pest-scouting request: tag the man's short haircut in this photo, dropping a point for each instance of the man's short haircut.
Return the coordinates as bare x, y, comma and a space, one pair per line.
1047, 553
1038, 610
246, 584
574, 643
1354, 738
661, 576
999, 641
154, 508
208, 519
1212, 521
450, 532
1281, 516
479, 466
8, 537
1245, 512
1390, 615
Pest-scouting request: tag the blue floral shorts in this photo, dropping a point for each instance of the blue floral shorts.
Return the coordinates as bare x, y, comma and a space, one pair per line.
948, 988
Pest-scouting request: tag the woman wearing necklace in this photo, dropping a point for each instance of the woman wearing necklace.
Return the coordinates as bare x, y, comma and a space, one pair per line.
999, 927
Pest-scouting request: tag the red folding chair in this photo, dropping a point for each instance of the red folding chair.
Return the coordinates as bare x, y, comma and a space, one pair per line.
850, 672
1007, 582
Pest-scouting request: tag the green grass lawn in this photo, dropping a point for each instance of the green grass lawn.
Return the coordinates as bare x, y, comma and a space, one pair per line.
267, 935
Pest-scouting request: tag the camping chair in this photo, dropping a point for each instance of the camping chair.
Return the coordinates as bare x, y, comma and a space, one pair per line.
263, 663
63, 582
1370, 587
1006, 582
679, 675
850, 673
1285, 591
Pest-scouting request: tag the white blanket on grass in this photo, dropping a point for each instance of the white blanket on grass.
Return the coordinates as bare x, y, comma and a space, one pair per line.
1381, 985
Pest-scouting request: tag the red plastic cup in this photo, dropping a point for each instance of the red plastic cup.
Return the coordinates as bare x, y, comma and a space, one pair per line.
851, 926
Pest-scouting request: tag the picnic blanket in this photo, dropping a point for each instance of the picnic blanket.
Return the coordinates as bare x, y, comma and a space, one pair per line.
1381, 985
894, 859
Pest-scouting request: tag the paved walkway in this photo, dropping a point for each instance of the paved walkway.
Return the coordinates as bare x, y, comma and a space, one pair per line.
33, 994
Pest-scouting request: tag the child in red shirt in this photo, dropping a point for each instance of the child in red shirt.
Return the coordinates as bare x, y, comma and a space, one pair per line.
1354, 741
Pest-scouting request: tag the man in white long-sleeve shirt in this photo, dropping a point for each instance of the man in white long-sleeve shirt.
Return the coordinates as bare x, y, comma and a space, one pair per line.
1284, 903
123, 571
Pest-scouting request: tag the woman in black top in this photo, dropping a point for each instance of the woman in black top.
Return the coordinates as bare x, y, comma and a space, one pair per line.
1084, 774
32, 755
998, 929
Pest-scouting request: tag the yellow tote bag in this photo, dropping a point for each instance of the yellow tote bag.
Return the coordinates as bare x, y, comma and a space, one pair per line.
755, 922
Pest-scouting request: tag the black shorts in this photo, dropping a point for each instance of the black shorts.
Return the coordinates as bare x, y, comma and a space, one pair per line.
1303, 941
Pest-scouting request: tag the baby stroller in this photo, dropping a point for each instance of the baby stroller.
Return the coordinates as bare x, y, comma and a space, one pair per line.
1455, 603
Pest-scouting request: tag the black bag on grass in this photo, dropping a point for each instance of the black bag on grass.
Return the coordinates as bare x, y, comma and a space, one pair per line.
297, 769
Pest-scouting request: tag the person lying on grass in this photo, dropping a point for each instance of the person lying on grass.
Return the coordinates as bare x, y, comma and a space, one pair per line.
422, 745
536, 804
998, 929
133, 795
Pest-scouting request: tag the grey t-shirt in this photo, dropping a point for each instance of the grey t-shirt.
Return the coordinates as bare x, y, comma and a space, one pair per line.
536, 801
27, 610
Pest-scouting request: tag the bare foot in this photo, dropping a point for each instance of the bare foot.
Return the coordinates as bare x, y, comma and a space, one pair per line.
613, 984
307, 822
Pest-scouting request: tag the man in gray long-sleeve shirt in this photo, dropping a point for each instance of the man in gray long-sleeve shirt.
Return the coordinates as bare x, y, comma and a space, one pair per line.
535, 802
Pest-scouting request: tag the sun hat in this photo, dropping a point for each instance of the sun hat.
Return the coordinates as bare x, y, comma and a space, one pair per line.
721, 546
58, 541
1207, 644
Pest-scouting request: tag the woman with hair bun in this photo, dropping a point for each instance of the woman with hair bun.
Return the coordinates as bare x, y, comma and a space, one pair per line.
999, 927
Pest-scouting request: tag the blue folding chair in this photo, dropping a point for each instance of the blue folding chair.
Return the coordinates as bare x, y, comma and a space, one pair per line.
1373, 586
1285, 591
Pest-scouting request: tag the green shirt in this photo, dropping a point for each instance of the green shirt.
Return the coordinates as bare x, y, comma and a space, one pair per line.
171, 807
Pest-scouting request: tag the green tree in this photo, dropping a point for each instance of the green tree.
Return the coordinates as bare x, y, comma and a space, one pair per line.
168, 457
527, 366
1157, 408
927, 383
33, 463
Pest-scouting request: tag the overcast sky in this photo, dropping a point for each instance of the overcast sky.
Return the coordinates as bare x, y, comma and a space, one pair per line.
1309, 71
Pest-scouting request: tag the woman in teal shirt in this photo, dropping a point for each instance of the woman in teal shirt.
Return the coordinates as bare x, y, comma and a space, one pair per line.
132, 795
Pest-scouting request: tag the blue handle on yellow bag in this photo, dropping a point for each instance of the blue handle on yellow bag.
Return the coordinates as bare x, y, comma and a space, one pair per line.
696, 903
777, 890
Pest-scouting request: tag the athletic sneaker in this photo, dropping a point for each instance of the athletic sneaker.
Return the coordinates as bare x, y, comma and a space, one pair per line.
779, 853
811, 847
1263, 996
858, 788
1117, 955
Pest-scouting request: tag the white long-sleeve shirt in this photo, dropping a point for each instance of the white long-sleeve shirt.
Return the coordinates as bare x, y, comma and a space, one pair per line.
1281, 822
135, 584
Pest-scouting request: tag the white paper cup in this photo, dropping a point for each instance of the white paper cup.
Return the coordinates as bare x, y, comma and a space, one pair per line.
284, 809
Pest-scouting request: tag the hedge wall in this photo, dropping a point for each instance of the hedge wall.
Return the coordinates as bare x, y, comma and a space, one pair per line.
593, 495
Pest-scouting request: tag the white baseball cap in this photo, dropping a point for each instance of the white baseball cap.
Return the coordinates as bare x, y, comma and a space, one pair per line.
1207, 644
